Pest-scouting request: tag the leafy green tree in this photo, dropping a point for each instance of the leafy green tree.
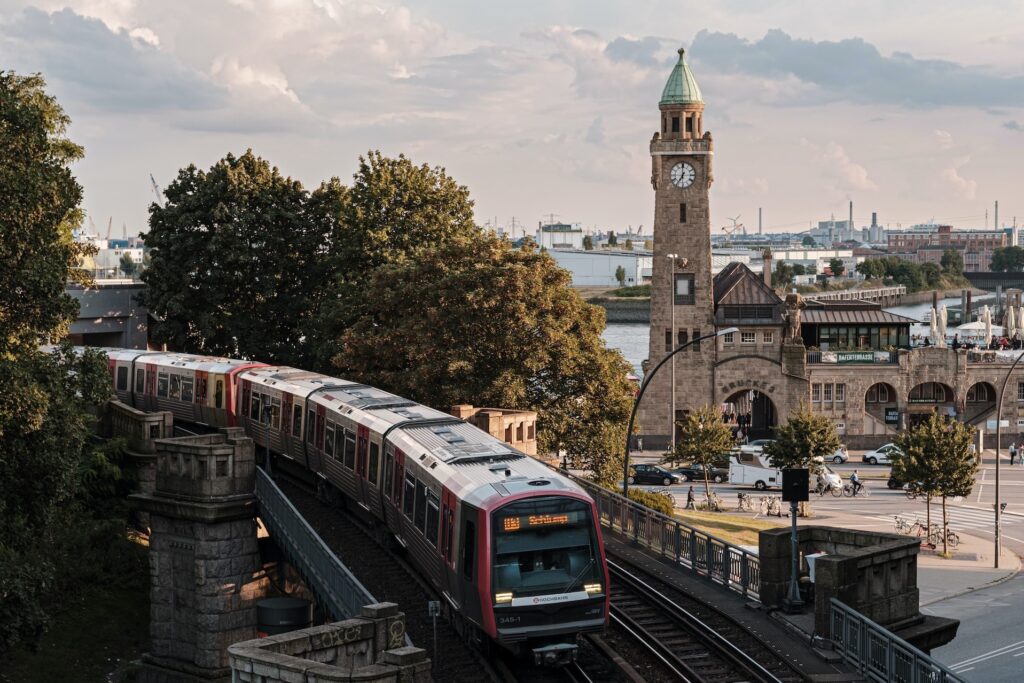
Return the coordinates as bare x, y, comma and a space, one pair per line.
44, 425
804, 441
1008, 259
808, 241
480, 322
952, 262
936, 459
588, 243
705, 441
799, 269
236, 259
620, 275
628, 246
127, 265
931, 274
837, 267
613, 240
783, 274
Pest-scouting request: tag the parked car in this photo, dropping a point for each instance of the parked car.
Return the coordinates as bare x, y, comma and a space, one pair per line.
840, 456
694, 472
881, 455
652, 474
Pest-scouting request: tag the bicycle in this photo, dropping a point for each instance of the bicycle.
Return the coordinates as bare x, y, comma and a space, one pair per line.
713, 503
744, 503
935, 537
903, 525
848, 491
836, 491
770, 505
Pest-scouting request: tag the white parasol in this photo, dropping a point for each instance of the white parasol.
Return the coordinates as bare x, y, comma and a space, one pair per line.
1011, 322
933, 327
943, 321
986, 317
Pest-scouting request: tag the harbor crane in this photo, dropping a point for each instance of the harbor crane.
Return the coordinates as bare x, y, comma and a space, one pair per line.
156, 191
729, 230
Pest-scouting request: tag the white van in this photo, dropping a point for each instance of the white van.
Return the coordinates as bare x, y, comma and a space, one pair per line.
753, 469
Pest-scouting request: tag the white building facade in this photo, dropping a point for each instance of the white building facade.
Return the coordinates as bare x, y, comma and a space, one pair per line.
597, 268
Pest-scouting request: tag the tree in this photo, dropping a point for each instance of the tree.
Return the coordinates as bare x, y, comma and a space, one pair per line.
44, 426
783, 274
931, 274
127, 265
808, 241
936, 459
799, 269
952, 262
804, 441
588, 243
705, 440
1008, 259
613, 240
837, 267
480, 322
236, 259
620, 275
629, 245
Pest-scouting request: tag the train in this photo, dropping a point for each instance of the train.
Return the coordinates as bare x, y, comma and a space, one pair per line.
514, 548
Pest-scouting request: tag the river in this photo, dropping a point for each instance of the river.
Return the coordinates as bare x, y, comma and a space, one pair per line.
632, 339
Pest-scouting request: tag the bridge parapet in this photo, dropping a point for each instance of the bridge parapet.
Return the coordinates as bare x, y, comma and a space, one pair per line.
206, 466
140, 429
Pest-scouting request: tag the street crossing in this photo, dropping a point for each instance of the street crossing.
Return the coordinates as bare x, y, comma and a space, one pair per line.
960, 518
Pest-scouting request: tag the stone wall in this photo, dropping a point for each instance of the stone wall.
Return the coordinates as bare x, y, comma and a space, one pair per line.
366, 648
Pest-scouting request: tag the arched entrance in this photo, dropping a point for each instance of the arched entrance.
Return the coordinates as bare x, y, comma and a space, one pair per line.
980, 401
880, 408
751, 410
929, 397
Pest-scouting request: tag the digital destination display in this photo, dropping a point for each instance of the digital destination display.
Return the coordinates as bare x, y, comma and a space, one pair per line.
521, 522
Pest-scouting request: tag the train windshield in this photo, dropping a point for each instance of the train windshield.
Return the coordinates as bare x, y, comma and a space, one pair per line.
545, 545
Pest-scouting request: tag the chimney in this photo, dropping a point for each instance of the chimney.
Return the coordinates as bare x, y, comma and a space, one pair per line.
760, 227
850, 224
766, 257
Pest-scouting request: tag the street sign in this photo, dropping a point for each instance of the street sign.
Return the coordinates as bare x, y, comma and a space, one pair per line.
991, 424
434, 608
795, 484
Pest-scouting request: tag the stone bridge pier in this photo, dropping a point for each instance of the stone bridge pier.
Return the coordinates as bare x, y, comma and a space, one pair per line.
205, 568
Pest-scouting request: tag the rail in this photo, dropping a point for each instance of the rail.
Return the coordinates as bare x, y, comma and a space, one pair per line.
879, 654
700, 552
327, 576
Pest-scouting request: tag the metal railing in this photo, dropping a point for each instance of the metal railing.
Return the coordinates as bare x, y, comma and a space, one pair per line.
687, 546
326, 575
879, 654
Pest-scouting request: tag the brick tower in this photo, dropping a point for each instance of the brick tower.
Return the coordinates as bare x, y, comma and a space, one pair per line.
681, 174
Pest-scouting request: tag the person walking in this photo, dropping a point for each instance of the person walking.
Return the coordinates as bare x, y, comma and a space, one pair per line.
691, 501
1013, 452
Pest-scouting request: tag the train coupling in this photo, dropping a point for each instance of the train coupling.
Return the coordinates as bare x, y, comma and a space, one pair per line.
559, 654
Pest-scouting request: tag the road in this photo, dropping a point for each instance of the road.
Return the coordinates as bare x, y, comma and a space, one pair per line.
989, 646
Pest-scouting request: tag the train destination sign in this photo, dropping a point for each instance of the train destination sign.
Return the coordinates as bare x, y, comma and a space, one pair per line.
522, 522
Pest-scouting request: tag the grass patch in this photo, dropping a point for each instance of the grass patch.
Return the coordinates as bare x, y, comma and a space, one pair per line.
100, 632
632, 292
732, 528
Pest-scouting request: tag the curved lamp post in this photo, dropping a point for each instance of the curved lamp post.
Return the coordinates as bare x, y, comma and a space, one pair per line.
675, 340
643, 388
999, 436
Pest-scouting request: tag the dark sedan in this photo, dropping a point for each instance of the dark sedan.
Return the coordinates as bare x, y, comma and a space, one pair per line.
695, 472
652, 474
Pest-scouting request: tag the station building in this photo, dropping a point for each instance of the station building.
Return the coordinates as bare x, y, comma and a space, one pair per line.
846, 359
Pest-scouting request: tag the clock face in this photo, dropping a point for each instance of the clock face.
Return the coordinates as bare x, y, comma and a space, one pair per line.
682, 174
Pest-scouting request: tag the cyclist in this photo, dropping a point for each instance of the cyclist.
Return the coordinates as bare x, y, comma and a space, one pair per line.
855, 481
823, 482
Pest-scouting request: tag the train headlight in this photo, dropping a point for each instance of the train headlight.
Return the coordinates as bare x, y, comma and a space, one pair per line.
592, 588
502, 598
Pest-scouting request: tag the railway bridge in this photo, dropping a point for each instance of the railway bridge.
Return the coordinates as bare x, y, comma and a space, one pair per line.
886, 296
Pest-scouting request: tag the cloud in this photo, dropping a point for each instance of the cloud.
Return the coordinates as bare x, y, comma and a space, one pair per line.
837, 165
943, 138
1014, 125
113, 71
854, 70
964, 188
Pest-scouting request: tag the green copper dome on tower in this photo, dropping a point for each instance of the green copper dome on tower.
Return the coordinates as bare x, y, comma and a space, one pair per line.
681, 87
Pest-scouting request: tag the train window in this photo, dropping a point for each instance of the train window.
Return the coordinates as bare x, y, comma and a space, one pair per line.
275, 412
389, 472
161, 385
468, 546
219, 394
329, 439
122, 379
175, 390
350, 449
254, 407
296, 420
310, 417
374, 463
186, 390
410, 494
420, 516
432, 517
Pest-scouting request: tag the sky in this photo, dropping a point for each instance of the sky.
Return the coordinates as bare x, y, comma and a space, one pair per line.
914, 109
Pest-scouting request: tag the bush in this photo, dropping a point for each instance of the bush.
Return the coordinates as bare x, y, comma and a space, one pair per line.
637, 291
654, 501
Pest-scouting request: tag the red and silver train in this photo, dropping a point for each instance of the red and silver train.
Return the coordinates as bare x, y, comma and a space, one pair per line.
514, 548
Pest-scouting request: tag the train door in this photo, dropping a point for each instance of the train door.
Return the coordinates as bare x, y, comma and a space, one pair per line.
286, 424
468, 565
202, 409
362, 460
150, 403
316, 461
138, 385
446, 542
397, 490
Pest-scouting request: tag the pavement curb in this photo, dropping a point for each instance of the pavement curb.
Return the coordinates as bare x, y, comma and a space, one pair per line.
990, 584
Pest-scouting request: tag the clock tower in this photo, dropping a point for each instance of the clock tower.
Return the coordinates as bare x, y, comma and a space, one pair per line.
682, 297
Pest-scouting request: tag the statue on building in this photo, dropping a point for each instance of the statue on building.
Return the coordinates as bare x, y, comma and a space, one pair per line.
794, 302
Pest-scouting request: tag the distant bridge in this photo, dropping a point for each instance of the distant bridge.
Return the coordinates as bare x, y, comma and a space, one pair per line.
990, 281
887, 296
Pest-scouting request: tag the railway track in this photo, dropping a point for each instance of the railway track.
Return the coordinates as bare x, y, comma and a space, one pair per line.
690, 647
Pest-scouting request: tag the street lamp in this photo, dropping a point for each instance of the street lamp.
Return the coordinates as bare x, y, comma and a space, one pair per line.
643, 388
675, 340
999, 438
